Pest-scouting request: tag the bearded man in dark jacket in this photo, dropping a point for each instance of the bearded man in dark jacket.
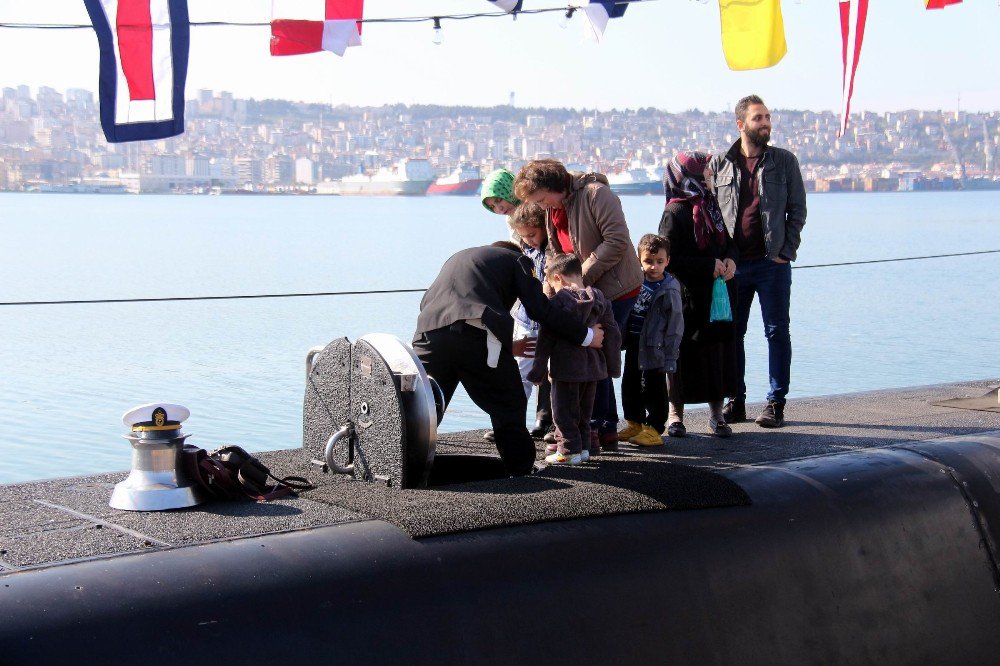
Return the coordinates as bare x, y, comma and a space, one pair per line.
763, 202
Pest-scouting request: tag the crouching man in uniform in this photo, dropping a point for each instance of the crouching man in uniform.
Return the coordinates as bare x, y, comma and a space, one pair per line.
464, 335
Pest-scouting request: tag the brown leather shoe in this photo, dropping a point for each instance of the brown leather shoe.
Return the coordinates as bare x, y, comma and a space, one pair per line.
772, 416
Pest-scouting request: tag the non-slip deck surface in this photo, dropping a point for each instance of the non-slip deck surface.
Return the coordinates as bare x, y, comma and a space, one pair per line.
62, 520
623, 482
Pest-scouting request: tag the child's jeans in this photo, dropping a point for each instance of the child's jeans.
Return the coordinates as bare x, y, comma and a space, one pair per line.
644, 392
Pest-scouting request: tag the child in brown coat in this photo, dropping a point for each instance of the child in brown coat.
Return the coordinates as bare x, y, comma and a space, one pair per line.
575, 370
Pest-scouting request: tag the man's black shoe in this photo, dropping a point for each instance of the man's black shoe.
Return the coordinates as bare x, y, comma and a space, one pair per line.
540, 428
773, 415
735, 411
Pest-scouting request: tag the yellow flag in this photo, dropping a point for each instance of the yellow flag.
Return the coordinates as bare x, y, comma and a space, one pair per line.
753, 34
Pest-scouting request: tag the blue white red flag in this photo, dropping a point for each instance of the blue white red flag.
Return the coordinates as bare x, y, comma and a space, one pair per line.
144, 56
598, 13
507, 5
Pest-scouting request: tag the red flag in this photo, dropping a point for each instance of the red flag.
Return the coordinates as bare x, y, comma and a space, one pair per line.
850, 51
940, 4
340, 29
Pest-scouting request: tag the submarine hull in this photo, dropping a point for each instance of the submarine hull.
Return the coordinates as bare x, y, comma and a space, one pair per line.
876, 555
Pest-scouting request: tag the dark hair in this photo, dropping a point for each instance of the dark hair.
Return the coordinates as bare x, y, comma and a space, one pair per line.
527, 215
537, 175
743, 104
652, 243
563, 264
506, 245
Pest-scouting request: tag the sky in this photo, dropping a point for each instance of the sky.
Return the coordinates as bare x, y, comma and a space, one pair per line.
665, 54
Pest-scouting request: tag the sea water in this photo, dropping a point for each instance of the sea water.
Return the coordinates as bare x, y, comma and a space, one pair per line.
68, 372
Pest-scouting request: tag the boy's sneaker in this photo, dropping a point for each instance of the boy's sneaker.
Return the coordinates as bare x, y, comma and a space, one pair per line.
773, 415
735, 411
647, 437
563, 459
630, 430
584, 455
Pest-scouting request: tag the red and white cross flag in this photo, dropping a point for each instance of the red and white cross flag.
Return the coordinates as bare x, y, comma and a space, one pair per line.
340, 28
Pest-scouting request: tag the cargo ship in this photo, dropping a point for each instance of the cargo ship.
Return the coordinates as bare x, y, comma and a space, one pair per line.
642, 180
408, 177
465, 180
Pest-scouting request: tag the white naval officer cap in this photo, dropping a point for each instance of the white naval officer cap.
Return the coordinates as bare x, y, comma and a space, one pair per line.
156, 416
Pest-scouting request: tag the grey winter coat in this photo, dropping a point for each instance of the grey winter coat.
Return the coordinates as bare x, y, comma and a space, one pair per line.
782, 198
660, 340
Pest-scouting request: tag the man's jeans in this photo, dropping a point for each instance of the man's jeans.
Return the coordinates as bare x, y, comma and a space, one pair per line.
772, 282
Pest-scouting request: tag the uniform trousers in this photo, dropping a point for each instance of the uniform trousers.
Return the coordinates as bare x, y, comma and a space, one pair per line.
456, 355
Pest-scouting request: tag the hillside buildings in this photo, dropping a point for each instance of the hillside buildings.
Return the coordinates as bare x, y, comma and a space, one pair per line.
53, 140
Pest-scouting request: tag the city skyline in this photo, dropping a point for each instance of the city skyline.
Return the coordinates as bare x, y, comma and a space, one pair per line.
52, 140
912, 58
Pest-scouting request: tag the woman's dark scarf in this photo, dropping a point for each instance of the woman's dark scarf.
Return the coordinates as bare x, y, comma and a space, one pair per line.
684, 180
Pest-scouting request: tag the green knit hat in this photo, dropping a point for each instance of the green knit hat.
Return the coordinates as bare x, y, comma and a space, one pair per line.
500, 184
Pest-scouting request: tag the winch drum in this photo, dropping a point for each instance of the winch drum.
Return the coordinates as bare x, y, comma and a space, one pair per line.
378, 389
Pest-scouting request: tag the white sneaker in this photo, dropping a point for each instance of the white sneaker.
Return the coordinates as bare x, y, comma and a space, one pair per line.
584, 455
563, 459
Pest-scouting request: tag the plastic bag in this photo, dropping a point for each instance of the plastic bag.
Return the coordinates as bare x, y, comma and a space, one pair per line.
721, 310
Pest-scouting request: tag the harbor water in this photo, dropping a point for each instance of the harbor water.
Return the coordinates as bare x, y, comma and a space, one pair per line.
68, 372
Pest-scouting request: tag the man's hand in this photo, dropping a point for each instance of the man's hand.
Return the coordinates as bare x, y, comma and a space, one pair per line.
525, 347
598, 340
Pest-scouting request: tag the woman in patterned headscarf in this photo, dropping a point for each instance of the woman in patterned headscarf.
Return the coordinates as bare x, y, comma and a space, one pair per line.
498, 192
701, 250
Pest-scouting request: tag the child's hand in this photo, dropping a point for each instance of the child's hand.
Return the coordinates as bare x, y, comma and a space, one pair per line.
598, 340
525, 347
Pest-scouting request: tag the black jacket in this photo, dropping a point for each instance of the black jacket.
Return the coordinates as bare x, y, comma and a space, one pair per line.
483, 283
782, 198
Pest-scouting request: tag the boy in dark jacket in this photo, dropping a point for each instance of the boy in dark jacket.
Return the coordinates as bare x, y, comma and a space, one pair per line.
652, 343
574, 370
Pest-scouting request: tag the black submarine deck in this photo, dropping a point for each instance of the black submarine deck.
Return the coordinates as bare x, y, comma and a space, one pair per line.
68, 520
